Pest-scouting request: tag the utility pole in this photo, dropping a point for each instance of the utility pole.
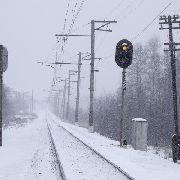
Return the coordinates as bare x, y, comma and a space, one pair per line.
3, 68
69, 86
78, 85
32, 102
69, 35
64, 99
71, 72
93, 29
1, 94
91, 119
63, 104
57, 98
172, 22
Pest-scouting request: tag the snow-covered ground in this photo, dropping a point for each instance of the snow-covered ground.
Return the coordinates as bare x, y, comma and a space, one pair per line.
79, 162
139, 165
26, 153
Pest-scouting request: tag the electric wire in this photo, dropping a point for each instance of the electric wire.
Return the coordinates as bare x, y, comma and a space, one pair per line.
80, 27
62, 40
123, 17
132, 10
115, 9
75, 16
146, 27
129, 5
66, 15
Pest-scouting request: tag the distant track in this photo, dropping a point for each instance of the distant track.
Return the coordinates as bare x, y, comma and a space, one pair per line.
97, 153
60, 168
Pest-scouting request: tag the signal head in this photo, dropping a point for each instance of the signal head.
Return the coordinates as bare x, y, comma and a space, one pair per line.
124, 47
124, 53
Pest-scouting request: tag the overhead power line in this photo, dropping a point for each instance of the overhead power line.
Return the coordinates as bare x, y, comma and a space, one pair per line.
126, 8
80, 27
115, 9
66, 15
74, 18
127, 13
132, 10
143, 30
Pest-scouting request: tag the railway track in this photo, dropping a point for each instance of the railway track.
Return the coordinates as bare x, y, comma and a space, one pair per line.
125, 176
61, 174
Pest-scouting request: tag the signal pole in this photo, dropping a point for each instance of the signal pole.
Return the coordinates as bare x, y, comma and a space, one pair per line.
122, 105
123, 58
78, 85
93, 29
172, 24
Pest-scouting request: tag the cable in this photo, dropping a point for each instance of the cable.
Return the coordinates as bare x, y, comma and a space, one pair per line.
125, 9
141, 33
132, 10
64, 29
76, 16
127, 14
66, 15
143, 30
73, 10
73, 21
72, 24
114, 9
81, 27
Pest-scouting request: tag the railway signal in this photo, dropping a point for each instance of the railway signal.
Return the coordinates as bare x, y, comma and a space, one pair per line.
124, 53
123, 58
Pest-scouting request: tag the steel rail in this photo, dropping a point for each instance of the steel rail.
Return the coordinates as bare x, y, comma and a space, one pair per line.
62, 174
97, 153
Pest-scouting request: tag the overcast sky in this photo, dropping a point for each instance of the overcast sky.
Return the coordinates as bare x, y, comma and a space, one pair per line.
28, 28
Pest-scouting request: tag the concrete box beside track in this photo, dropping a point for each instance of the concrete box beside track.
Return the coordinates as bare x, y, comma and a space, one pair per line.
139, 134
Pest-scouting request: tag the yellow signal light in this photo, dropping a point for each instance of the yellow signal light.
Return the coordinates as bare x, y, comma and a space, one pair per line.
124, 47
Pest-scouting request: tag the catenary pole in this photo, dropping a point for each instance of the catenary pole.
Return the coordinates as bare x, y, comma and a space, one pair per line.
78, 92
1, 94
93, 29
92, 76
64, 99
